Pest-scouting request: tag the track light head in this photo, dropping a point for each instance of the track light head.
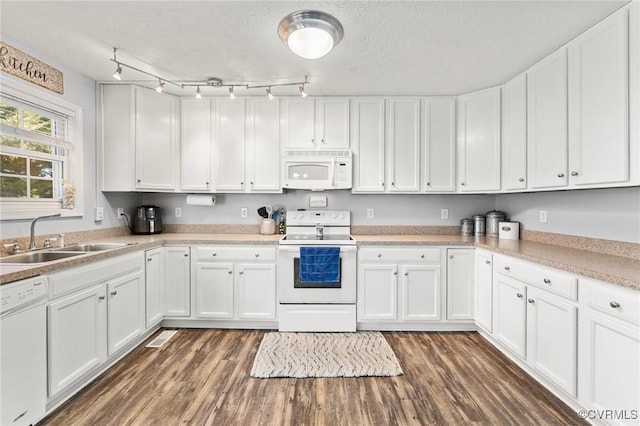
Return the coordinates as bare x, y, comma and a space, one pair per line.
302, 92
198, 93
269, 94
160, 87
232, 95
118, 74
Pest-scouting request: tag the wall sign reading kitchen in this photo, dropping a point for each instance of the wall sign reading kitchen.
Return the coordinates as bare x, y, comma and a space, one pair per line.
28, 68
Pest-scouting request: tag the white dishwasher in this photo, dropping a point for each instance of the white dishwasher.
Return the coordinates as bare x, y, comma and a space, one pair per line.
23, 352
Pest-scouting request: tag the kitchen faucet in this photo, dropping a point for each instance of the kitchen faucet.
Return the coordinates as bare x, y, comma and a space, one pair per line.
32, 241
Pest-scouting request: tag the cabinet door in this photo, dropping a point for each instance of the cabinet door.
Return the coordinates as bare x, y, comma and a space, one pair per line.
195, 144
599, 104
552, 338
483, 295
367, 140
229, 145
514, 134
438, 144
263, 145
298, 122
509, 313
154, 284
256, 290
155, 140
609, 367
403, 145
421, 292
377, 292
332, 123
214, 290
177, 283
479, 141
77, 336
118, 138
547, 122
125, 310
460, 284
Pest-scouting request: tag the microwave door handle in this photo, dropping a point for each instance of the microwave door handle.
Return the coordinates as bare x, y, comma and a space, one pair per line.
332, 166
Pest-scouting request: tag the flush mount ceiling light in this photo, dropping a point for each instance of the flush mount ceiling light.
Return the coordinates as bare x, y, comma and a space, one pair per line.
310, 34
212, 82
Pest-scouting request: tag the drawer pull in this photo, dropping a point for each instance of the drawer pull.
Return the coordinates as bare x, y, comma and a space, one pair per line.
506, 268
547, 281
214, 254
487, 262
614, 305
100, 297
531, 300
519, 295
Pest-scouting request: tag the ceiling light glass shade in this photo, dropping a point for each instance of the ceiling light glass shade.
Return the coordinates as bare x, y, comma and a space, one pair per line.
310, 34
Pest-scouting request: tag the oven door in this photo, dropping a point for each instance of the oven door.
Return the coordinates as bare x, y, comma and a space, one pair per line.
292, 290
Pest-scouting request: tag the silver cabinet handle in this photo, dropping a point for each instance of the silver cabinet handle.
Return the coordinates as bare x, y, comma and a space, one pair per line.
230, 272
614, 304
574, 173
422, 256
560, 175
241, 272
450, 256
395, 272
138, 180
322, 140
393, 184
521, 180
506, 268
487, 262
531, 300
214, 254
547, 281
462, 183
100, 297
186, 255
114, 292
519, 295
406, 274
379, 255
149, 259
428, 183
257, 254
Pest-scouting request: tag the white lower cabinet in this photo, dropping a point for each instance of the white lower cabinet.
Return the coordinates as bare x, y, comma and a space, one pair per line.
153, 272
176, 290
402, 288
95, 311
609, 350
460, 284
235, 283
537, 323
483, 291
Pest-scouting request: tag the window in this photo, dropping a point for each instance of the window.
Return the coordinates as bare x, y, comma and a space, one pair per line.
40, 155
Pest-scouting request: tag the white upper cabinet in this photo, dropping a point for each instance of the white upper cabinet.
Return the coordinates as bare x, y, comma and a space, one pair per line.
403, 144
547, 122
229, 145
599, 103
478, 151
367, 140
514, 134
315, 122
195, 144
263, 145
438, 145
138, 139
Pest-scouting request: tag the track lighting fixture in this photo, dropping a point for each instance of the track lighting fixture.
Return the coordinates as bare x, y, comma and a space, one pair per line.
118, 74
212, 82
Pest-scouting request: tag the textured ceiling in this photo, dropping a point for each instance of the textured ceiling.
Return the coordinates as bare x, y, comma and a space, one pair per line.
389, 47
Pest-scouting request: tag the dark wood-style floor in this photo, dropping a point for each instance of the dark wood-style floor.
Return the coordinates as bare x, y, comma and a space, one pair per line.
201, 377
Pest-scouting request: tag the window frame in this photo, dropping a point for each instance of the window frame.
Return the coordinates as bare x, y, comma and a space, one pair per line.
15, 209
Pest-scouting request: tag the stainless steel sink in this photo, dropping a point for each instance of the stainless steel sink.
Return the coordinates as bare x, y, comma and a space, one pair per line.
92, 247
38, 257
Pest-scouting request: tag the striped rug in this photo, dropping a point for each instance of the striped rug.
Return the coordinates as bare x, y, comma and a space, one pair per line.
364, 353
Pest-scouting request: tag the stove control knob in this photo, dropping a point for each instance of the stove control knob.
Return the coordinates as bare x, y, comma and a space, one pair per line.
335, 215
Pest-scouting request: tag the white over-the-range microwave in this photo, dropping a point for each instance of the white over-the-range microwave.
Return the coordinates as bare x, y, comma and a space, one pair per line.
317, 169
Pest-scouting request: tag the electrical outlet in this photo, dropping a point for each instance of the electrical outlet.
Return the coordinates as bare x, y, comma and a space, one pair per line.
370, 213
243, 212
444, 213
543, 216
98, 214
178, 211
119, 212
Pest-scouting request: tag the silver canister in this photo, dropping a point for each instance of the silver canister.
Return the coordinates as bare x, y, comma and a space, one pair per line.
466, 227
493, 220
478, 225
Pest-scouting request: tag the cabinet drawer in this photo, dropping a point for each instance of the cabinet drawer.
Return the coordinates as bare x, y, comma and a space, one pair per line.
245, 253
619, 302
552, 280
400, 254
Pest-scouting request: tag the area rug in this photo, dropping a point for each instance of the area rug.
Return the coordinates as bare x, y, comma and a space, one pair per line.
325, 355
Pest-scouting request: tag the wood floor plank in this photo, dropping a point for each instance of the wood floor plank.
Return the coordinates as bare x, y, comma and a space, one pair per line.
201, 377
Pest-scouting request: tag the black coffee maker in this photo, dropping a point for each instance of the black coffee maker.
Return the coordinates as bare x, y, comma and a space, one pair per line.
147, 221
